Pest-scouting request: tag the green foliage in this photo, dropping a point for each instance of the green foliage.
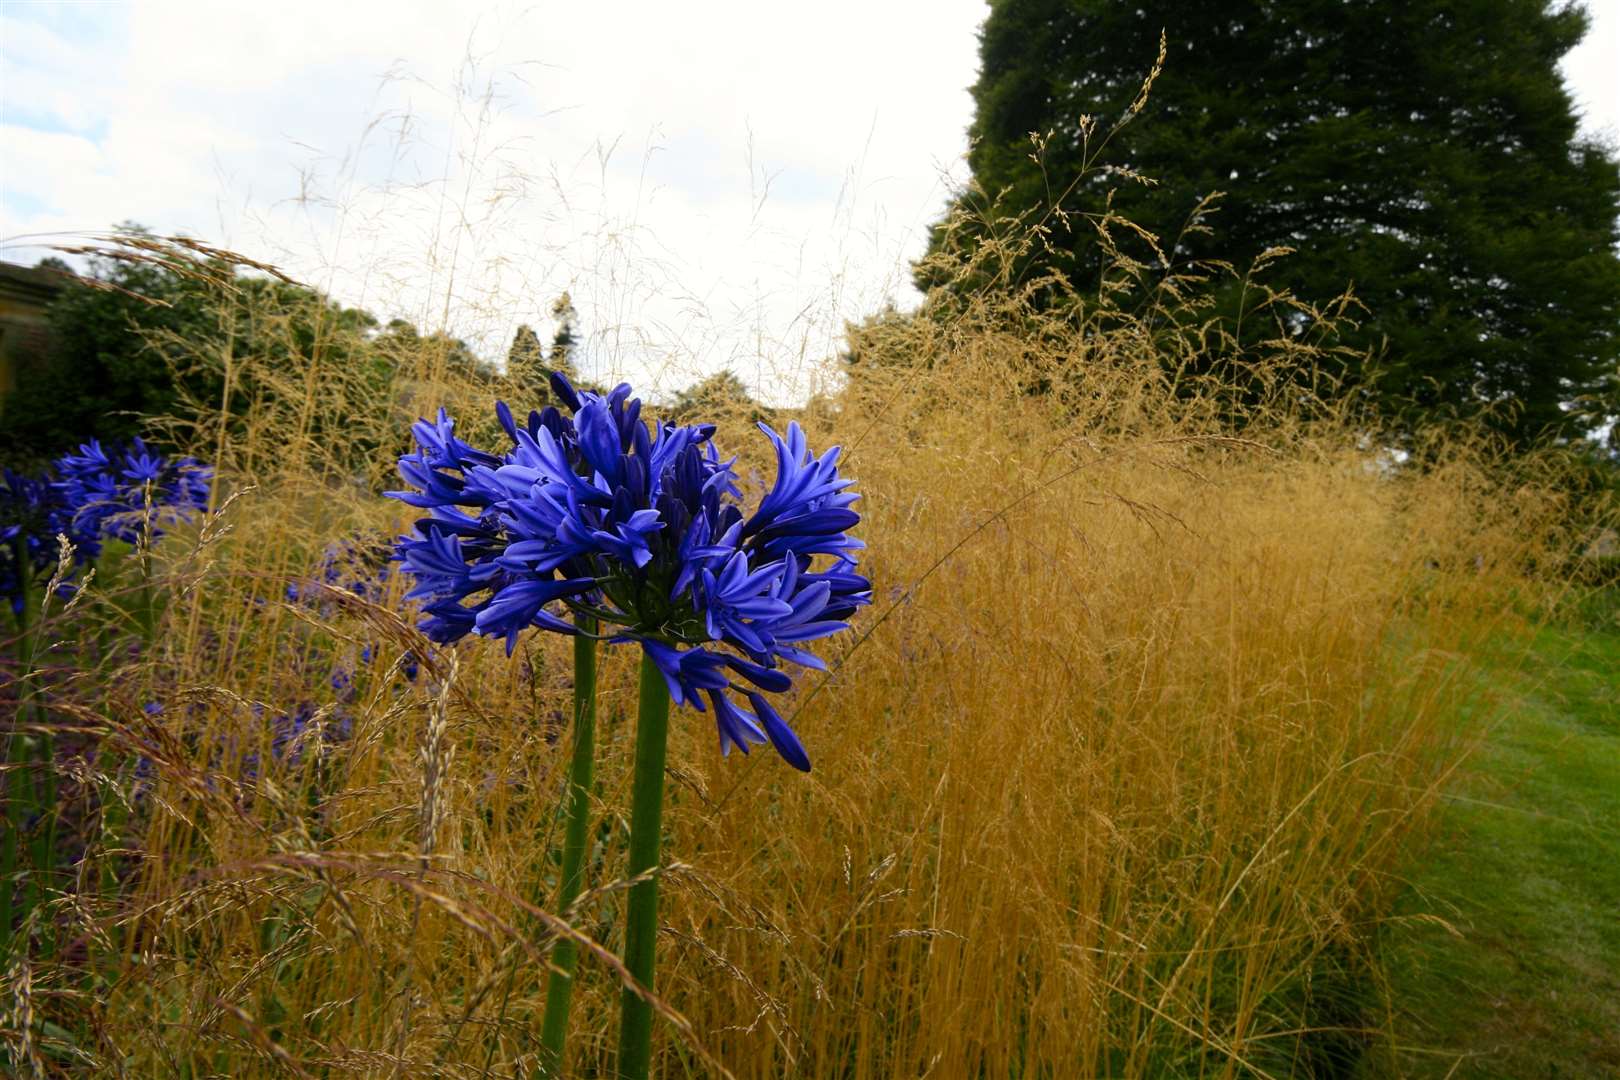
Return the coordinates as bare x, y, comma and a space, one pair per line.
102, 375
528, 366
1423, 153
565, 341
721, 394
526, 360
448, 356
860, 338
199, 352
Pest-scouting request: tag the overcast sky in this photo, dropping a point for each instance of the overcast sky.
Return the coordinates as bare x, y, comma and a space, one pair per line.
716, 184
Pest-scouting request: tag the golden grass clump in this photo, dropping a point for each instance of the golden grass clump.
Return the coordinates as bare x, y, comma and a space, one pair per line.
1116, 777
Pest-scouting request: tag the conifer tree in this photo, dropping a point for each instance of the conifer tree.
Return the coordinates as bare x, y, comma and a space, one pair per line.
1424, 152
526, 361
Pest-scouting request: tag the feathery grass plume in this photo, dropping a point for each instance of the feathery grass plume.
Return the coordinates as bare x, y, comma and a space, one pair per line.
437, 754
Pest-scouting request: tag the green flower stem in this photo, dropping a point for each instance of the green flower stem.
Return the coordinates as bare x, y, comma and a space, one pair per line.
22, 795
646, 830
565, 957
19, 797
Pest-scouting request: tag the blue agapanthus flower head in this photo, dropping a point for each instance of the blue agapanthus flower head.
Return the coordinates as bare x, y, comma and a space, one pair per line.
89, 496
640, 526
131, 493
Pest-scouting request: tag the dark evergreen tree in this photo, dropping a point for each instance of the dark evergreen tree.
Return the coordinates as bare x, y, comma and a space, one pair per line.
528, 367
1423, 152
526, 363
721, 394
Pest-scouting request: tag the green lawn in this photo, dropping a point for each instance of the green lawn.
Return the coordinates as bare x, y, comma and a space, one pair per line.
1526, 869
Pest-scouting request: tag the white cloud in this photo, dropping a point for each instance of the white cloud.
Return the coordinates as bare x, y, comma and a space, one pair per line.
715, 183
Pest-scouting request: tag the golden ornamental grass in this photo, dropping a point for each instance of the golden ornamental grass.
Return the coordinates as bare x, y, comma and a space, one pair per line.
1169, 661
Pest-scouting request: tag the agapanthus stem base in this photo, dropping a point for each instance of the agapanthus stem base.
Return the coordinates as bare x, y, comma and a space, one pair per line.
565, 957
646, 832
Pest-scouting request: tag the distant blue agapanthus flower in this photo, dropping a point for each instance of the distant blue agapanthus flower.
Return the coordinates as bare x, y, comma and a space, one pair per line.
89, 496
30, 512
291, 732
360, 565
642, 529
128, 493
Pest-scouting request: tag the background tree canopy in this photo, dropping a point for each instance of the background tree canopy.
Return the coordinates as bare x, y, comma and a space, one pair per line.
101, 376
146, 345
141, 341
1424, 153
721, 394
528, 367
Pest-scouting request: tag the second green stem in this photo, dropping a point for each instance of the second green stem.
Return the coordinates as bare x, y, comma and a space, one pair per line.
565, 956
646, 833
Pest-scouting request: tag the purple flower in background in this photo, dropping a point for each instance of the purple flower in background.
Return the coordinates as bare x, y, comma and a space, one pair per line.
124, 495
304, 727
29, 514
359, 564
89, 496
642, 529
